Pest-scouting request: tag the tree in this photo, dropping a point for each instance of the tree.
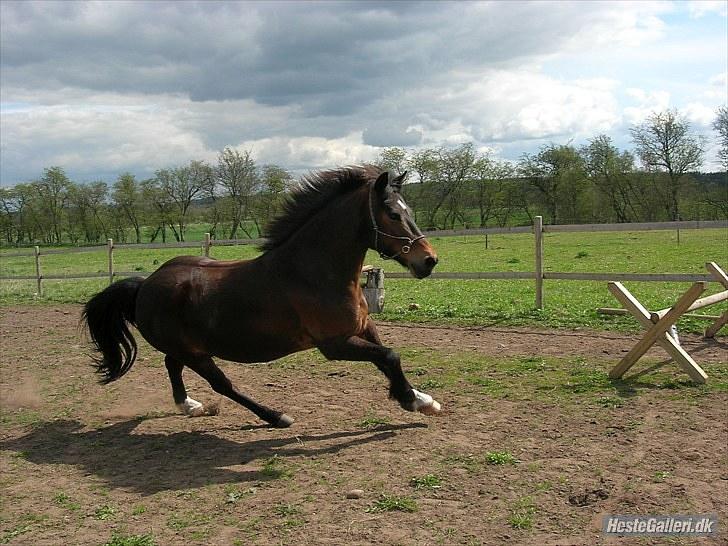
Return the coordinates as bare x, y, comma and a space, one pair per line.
393, 159
127, 199
274, 182
14, 207
557, 174
161, 206
446, 171
664, 144
52, 193
237, 175
489, 177
87, 211
182, 185
720, 124
611, 173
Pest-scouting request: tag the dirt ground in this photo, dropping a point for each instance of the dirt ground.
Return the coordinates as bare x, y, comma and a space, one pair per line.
83, 463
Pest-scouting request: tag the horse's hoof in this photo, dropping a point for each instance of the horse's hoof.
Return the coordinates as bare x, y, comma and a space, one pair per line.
191, 408
432, 409
424, 403
283, 421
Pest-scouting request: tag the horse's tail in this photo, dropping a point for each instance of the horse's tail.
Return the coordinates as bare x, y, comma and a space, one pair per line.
107, 316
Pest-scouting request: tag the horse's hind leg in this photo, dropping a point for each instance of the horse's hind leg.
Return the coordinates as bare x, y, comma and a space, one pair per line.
188, 405
206, 368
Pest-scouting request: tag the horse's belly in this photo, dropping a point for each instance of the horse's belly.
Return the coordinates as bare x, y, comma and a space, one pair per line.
258, 348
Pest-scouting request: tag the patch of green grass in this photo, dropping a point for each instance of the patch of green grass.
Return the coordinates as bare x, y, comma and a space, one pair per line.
611, 402
104, 512
500, 457
22, 417
291, 523
431, 384
522, 513
284, 509
393, 503
64, 500
233, 493
138, 510
119, 539
467, 461
179, 522
661, 476
275, 469
371, 421
428, 481
15, 532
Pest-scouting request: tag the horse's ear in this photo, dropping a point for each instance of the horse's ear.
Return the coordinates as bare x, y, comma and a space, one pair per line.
382, 182
397, 182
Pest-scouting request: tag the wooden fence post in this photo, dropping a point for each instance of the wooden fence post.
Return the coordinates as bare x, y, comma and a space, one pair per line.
538, 236
38, 276
110, 246
206, 245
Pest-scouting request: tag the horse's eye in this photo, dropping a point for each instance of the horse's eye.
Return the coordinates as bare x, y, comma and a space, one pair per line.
396, 216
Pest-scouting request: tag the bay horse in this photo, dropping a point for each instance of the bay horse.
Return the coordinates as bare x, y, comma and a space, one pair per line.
302, 292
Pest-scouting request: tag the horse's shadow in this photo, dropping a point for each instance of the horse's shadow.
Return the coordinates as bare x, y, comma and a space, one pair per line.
150, 463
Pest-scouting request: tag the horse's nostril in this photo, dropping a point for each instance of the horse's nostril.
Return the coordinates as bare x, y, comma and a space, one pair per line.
430, 261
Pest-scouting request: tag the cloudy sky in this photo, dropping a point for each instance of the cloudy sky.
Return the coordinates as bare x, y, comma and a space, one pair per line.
100, 88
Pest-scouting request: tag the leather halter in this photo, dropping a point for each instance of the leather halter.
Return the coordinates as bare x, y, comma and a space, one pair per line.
406, 247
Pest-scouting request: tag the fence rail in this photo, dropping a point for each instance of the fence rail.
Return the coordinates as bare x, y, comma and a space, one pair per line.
538, 275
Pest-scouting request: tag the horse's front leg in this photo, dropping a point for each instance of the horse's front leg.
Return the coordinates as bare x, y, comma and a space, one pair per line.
388, 361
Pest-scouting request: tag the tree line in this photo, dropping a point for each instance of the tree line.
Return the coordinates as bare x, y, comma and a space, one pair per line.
234, 197
447, 187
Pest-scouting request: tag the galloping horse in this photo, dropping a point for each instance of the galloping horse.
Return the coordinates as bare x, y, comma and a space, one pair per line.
302, 292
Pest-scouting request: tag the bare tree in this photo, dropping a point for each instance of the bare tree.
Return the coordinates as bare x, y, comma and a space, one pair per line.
720, 124
236, 173
182, 185
664, 144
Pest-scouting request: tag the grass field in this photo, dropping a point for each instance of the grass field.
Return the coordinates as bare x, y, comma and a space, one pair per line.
567, 303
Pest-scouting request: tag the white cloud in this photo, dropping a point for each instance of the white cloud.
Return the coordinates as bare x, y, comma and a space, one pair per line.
647, 103
513, 105
701, 8
699, 114
310, 153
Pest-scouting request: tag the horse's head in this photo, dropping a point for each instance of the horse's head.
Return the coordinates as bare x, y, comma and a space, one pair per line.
394, 232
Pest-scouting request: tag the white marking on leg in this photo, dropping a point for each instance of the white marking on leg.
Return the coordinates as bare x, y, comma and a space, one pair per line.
424, 403
191, 407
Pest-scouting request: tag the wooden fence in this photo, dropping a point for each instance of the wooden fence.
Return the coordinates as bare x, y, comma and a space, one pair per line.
538, 275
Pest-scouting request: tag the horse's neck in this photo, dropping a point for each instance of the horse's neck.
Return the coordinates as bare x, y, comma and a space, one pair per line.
331, 245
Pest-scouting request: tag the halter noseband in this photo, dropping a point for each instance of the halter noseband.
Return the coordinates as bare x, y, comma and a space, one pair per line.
377, 232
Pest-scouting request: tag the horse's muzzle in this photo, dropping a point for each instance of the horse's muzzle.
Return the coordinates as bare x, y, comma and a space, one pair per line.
424, 268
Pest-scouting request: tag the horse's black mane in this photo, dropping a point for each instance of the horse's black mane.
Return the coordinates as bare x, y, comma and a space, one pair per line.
313, 193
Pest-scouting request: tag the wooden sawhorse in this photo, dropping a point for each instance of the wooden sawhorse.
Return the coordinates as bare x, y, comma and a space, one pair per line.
659, 323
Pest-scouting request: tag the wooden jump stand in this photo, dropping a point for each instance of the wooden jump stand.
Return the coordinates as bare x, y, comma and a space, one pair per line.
658, 324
